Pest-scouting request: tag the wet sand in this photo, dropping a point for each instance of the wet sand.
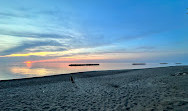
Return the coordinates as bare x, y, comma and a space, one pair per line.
151, 89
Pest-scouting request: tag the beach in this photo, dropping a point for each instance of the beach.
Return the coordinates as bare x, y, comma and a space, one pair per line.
150, 89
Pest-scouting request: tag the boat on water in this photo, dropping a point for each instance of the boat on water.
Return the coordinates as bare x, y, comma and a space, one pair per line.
138, 63
163, 63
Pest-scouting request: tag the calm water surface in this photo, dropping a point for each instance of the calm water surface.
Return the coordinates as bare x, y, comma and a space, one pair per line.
25, 70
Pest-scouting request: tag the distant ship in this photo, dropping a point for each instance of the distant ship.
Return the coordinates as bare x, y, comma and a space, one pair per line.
139, 64
178, 63
83, 64
163, 63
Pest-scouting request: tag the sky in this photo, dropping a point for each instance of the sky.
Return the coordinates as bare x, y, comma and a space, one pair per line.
93, 30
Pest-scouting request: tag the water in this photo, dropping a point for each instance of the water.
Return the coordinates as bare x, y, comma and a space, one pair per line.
25, 70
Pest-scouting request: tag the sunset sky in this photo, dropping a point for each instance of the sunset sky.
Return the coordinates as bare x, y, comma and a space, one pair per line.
93, 30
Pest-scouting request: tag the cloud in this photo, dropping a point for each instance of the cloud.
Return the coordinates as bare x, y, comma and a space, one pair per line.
27, 13
20, 22
8, 14
138, 36
47, 48
69, 38
146, 47
34, 34
90, 41
30, 44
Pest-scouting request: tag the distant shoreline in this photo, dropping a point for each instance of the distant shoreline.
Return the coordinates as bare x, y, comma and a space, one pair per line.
83, 64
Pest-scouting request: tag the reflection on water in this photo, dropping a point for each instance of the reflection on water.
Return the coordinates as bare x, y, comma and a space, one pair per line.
31, 72
29, 69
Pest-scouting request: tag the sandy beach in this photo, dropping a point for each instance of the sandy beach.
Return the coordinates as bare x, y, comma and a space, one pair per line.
151, 89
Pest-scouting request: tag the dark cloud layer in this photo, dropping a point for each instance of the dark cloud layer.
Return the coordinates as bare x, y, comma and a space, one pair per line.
27, 45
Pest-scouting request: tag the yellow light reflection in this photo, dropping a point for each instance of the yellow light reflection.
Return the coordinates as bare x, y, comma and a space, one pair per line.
31, 72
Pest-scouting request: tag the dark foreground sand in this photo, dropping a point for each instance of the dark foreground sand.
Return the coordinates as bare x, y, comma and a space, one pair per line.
152, 89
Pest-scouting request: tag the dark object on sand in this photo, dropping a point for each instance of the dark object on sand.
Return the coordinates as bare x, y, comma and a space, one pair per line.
163, 63
71, 79
83, 64
114, 85
178, 63
180, 74
139, 64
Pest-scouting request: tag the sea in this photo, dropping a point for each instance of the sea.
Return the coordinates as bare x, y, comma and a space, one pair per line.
26, 70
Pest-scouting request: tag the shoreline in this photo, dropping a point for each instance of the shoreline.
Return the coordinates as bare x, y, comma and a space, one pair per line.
65, 77
129, 89
84, 72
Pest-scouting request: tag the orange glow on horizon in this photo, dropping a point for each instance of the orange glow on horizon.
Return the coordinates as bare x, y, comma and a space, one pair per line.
67, 59
28, 62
